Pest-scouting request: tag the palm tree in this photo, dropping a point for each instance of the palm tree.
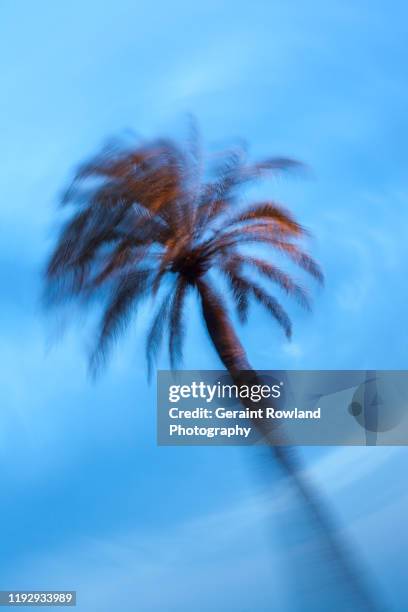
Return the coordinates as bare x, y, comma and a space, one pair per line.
151, 220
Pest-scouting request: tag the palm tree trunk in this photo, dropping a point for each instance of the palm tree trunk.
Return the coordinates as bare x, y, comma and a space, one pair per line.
233, 356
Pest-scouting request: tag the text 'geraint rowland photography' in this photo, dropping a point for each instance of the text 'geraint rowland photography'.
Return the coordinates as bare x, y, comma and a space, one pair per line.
282, 407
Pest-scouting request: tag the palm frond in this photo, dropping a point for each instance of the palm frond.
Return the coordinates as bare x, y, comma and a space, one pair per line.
125, 298
271, 166
150, 175
260, 234
123, 255
239, 287
81, 238
270, 211
67, 243
155, 334
176, 324
274, 308
302, 259
278, 276
170, 253
226, 238
216, 194
233, 173
243, 287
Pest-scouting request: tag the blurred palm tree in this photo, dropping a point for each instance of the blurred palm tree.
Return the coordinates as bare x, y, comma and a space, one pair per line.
144, 220
153, 220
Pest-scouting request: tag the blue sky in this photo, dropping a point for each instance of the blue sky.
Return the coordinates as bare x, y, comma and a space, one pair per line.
88, 500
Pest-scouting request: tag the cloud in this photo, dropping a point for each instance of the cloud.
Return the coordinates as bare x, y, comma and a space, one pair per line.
222, 560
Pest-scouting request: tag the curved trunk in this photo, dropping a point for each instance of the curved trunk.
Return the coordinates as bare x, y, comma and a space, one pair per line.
346, 573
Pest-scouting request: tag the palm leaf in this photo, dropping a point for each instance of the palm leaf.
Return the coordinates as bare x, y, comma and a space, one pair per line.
272, 212
259, 234
155, 334
176, 327
239, 287
125, 297
274, 308
243, 287
273, 273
